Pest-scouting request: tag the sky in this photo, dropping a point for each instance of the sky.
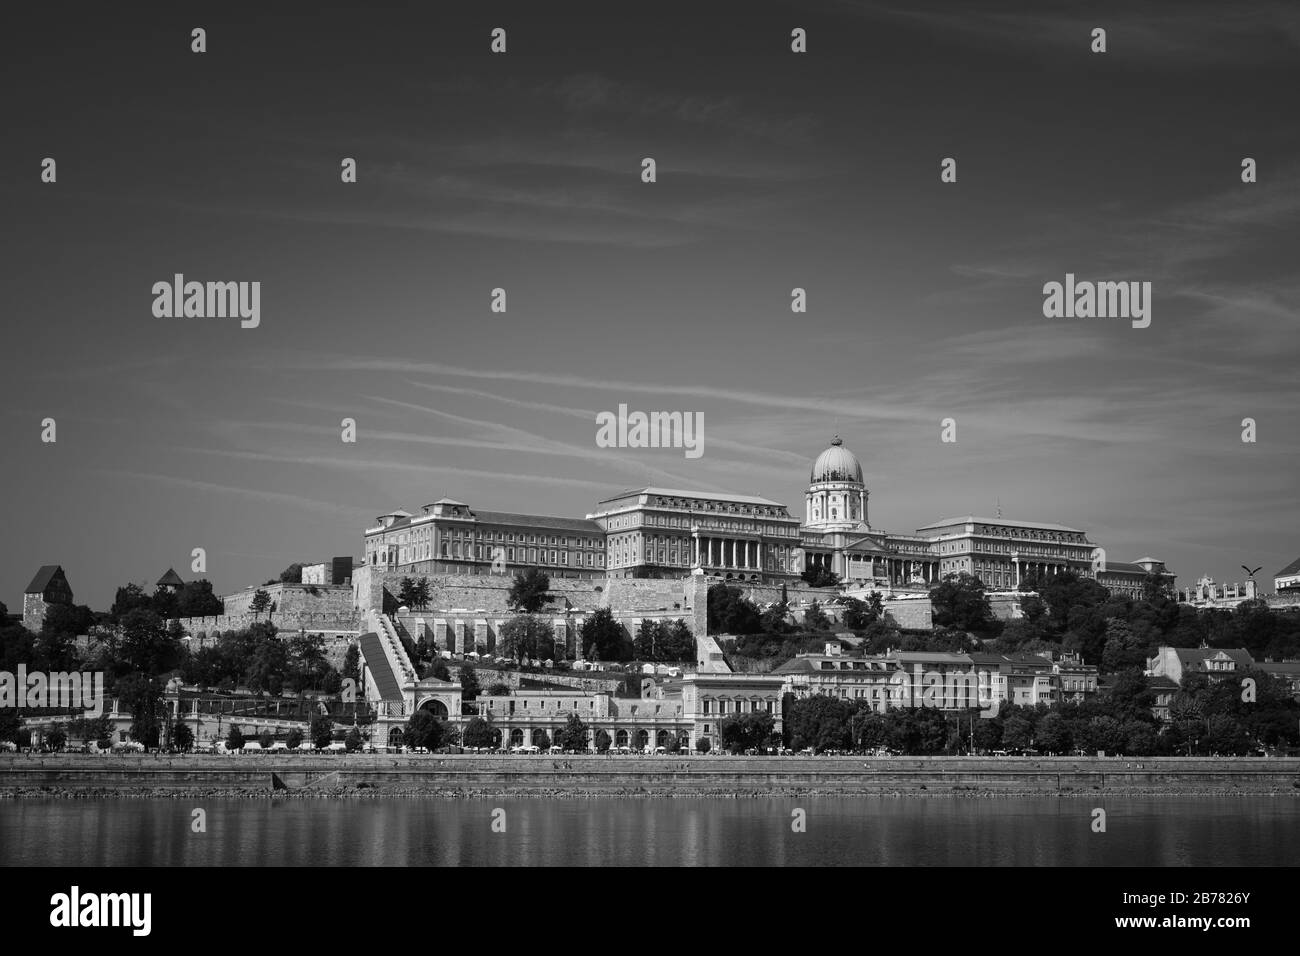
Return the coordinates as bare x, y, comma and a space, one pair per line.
522, 171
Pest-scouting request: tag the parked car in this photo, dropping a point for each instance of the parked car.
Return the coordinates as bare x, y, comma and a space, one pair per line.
128, 747
279, 746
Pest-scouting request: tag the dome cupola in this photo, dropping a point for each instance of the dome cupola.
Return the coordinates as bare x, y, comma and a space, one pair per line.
837, 463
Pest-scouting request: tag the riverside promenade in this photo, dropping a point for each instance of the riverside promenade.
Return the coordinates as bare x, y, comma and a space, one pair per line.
43, 775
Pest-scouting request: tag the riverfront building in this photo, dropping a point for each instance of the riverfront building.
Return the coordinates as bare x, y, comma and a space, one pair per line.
947, 681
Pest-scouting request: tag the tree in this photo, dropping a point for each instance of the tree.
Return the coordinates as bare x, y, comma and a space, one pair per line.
56, 739
815, 618
406, 592
292, 574
604, 638
741, 732
422, 593
1017, 731
352, 741
352, 663
196, 599
129, 597
424, 730
1123, 648
145, 644
1155, 588
530, 591
266, 669
730, 612
959, 601
1053, 735
573, 735
773, 620
1224, 735
235, 739
322, 731
498, 689
141, 696
265, 739
643, 646
676, 643
164, 603
294, 740
702, 745
603, 741
261, 601
1068, 599
541, 739
526, 636
478, 733
859, 615
820, 722
469, 687
820, 576
98, 729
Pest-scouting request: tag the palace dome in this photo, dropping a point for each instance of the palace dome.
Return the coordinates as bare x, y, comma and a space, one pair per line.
837, 463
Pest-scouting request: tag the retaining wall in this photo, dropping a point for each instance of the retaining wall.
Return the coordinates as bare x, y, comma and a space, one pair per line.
680, 774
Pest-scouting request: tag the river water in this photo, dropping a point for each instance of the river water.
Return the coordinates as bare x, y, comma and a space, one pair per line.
640, 831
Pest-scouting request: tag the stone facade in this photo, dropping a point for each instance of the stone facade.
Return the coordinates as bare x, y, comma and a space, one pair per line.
292, 599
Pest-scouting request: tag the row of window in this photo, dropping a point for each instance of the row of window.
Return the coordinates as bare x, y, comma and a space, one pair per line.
1033, 534
755, 706
769, 511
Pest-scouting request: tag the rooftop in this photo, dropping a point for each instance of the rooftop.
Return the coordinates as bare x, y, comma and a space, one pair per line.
43, 578
1292, 568
1000, 522
706, 495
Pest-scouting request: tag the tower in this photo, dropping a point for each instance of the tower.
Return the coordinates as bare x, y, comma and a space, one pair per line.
836, 499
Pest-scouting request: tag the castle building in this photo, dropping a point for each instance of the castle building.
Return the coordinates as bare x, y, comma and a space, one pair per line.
1288, 579
669, 533
49, 586
451, 538
660, 532
1002, 552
